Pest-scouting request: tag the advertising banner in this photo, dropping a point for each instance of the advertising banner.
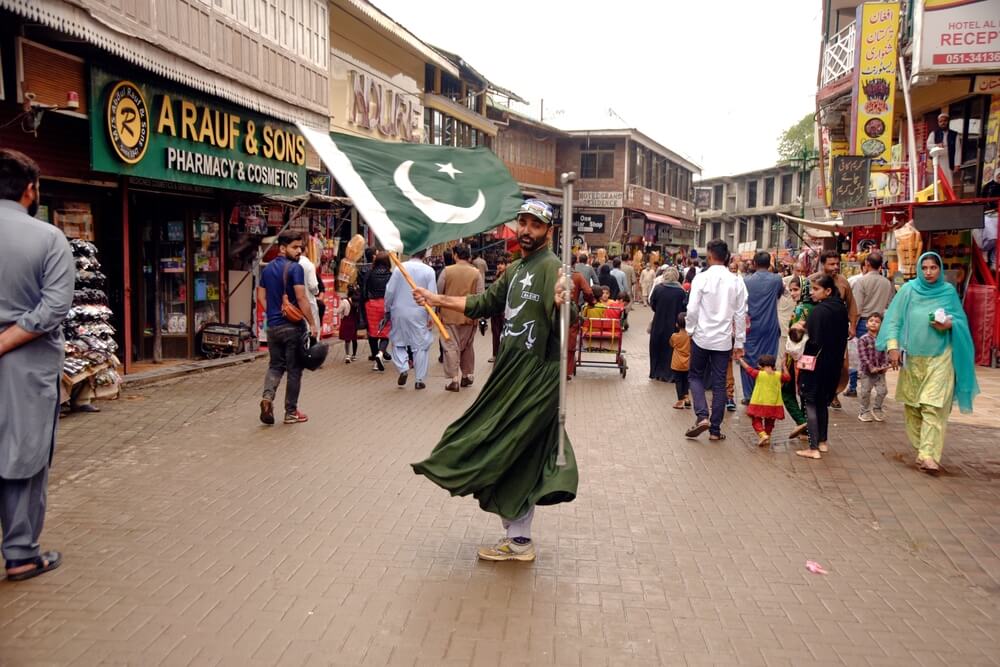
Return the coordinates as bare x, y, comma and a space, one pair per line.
875, 82
956, 36
151, 131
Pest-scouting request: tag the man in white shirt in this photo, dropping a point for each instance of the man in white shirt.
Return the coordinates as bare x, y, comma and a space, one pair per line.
951, 141
311, 283
716, 312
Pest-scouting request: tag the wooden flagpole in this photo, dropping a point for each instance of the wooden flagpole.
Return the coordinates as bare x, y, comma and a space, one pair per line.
413, 285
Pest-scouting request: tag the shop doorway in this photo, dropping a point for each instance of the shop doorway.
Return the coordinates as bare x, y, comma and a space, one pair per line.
177, 273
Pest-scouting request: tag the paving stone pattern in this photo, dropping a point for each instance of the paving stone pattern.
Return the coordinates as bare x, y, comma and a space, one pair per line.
194, 535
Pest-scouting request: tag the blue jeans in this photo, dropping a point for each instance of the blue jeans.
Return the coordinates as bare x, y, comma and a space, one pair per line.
714, 362
859, 332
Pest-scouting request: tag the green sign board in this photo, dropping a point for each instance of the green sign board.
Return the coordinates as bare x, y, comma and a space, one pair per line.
149, 131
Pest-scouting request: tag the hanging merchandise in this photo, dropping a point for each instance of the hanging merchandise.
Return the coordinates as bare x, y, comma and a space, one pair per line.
91, 369
348, 273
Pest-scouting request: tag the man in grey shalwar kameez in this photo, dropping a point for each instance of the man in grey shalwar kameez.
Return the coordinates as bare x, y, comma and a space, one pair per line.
410, 322
36, 292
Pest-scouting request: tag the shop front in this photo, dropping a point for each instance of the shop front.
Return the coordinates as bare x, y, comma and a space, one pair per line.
193, 170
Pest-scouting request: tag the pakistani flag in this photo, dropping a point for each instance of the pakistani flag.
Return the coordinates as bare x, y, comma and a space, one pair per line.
415, 195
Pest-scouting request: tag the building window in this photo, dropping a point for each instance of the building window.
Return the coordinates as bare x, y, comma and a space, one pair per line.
769, 191
597, 160
731, 203
717, 197
786, 188
758, 231
751, 194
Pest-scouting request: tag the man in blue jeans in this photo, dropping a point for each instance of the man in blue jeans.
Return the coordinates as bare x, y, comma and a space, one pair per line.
717, 324
285, 338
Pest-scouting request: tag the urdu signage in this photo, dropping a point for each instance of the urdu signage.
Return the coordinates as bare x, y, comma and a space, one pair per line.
147, 131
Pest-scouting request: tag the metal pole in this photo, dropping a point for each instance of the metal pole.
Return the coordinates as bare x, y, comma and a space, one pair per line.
567, 236
911, 136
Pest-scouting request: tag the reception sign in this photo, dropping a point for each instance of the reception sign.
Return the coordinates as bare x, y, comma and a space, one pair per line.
956, 36
145, 130
875, 82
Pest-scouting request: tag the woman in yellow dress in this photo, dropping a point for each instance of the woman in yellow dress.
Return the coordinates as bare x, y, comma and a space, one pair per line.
927, 335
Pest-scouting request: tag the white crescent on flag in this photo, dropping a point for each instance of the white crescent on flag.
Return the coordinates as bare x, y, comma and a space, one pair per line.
437, 211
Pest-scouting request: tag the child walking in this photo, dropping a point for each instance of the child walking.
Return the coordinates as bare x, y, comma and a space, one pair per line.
349, 311
872, 366
765, 403
680, 362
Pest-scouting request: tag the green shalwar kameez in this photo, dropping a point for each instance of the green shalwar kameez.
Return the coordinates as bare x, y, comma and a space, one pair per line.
503, 449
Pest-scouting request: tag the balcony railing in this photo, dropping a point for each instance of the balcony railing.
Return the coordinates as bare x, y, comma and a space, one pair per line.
838, 56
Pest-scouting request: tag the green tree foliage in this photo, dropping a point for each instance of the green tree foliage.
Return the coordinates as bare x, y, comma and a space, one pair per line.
797, 138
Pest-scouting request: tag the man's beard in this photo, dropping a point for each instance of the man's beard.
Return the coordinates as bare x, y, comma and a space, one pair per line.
530, 244
33, 207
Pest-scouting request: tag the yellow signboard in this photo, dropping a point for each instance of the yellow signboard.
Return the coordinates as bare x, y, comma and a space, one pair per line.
875, 82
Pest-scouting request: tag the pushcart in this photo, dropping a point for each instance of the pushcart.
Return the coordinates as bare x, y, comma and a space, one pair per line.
599, 343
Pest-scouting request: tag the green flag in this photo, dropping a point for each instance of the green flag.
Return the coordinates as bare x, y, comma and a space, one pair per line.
414, 195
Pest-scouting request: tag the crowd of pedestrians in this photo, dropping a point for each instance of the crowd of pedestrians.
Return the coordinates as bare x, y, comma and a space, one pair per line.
801, 341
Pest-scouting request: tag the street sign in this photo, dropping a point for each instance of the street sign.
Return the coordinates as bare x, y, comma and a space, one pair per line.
588, 222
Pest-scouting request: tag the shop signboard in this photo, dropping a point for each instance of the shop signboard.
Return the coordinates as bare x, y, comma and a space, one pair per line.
958, 36
986, 85
834, 150
851, 174
155, 131
875, 81
588, 222
702, 198
597, 199
992, 153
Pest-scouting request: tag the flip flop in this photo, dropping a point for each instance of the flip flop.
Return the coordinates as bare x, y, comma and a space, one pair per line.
45, 562
698, 429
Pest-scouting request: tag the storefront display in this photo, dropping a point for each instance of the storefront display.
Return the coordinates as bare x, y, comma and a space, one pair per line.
91, 369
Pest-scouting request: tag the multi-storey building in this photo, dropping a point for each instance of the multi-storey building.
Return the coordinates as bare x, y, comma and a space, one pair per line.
159, 127
952, 59
744, 207
631, 191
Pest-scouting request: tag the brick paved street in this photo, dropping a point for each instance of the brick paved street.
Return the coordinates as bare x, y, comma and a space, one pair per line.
193, 535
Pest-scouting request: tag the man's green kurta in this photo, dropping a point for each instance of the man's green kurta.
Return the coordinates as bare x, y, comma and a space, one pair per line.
503, 449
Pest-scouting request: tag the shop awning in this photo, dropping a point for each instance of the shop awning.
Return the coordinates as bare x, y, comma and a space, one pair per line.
659, 217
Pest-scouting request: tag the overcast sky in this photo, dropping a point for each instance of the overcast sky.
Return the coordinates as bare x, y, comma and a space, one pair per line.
715, 80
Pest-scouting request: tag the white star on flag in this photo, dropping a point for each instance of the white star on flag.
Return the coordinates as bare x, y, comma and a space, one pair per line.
526, 282
448, 169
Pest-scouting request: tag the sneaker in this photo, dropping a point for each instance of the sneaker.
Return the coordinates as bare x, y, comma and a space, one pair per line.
866, 417
296, 417
347, 360
451, 386
401, 380
878, 415
377, 366
354, 357
851, 393
266, 412
731, 405
508, 549
419, 385
385, 355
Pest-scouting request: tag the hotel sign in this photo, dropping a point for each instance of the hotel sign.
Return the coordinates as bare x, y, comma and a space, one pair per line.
956, 36
596, 199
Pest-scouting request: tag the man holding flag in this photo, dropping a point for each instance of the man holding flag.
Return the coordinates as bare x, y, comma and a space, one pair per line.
503, 449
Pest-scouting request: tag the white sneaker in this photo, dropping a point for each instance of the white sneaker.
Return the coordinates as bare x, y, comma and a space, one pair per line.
508, 549
878, 415
866, 417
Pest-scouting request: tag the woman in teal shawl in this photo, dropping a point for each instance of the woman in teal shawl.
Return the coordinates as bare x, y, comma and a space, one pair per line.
937, 359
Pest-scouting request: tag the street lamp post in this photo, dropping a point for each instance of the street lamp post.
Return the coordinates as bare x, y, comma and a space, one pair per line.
806, 160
